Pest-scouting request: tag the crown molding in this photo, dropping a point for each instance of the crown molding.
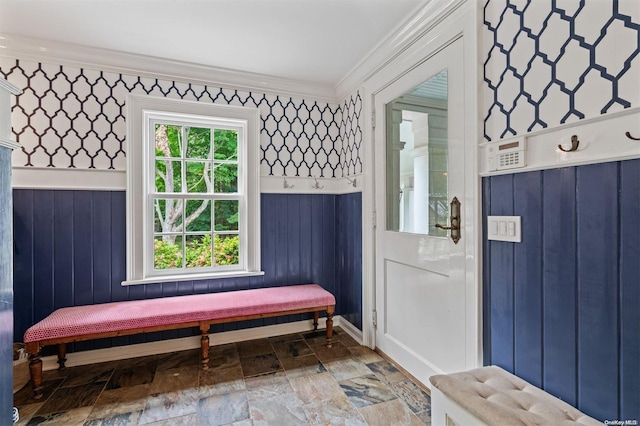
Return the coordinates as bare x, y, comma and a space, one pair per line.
403, 36
8, 143
4, 84
49, 51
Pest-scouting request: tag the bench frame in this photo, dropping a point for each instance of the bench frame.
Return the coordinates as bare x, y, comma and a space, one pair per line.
34, 348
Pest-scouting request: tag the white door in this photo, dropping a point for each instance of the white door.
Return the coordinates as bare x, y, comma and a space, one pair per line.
423, 317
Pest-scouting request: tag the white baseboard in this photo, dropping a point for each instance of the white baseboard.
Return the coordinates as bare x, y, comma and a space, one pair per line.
350, 329
184, 343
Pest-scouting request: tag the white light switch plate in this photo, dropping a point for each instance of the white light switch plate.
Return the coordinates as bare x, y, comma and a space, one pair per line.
504, 228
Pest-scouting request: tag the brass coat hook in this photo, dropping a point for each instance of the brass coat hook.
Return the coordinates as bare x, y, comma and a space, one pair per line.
628, 134
285, 184
316, 185
574, 144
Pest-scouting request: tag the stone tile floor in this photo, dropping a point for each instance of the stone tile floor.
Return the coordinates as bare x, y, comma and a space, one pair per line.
284, 380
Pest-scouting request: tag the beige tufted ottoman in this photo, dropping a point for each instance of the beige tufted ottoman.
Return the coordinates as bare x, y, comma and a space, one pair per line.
493, 396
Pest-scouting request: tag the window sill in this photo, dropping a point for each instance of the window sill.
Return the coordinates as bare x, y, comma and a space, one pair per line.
192, 277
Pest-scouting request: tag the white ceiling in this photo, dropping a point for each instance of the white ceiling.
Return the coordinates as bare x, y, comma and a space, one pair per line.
318, 41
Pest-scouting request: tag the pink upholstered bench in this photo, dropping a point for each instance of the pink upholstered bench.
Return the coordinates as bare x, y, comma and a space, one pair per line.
140, 316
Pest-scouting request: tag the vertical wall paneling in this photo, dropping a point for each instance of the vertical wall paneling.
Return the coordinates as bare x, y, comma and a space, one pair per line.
629, 290
23, 284
501, 259
101, 238
293, 237
71, 250
281, 237
571, 316
306, 236
316, 236
329, 253
82, 248
576, 272
118, 246
486, 276
597, 213
63, 248
527, 190
43, 255
349, 258
559, 279
268, 204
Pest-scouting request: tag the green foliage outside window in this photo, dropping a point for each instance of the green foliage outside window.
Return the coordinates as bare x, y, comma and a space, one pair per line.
198, 252
188, 162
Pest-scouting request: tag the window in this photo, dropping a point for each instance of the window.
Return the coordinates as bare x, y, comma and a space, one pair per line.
192, 190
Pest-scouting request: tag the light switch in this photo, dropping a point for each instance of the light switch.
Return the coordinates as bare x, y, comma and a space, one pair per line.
493, 227
504, 228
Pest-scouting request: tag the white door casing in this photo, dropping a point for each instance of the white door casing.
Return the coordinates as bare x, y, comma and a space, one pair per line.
426, 292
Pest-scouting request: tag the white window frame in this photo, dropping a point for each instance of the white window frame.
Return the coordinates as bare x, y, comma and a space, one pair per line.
142, 112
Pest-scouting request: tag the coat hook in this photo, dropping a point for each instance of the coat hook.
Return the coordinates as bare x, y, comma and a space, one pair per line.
574, 144
316, 185
352, 182
628, 134
286, 184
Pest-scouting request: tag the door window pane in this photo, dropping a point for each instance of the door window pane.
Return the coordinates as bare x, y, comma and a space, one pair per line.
417, 159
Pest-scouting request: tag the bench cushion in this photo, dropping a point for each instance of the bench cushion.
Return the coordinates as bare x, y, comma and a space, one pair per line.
497, 397
133, 314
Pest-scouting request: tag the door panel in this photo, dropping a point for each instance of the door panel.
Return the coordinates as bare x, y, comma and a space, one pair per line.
420, 272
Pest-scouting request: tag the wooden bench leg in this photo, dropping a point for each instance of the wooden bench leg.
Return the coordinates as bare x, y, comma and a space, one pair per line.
35, 370
62, 356
204, 347
329, 326
316, 315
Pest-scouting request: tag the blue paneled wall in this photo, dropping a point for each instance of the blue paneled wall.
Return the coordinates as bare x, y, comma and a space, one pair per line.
6, 291
561, 308
349, 256
70, 249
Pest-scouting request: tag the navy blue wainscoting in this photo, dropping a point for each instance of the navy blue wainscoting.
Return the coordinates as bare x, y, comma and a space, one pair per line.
561, 308
349, 234
70, 249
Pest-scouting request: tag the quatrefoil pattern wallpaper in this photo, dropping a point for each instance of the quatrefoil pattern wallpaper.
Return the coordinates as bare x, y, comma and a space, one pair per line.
351, 135
554, 62
70, 117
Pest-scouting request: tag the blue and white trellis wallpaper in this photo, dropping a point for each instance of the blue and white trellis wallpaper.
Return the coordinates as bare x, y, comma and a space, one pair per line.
560, 309
554, 62
70, 117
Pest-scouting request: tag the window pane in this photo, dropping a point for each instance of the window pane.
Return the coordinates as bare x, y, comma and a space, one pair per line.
416, 159
198, 176
198, 250
168, 176
168, 141
198, 216
167, 215
198, 142
226, 215
225, 178
226, 249
167, 252
226, 144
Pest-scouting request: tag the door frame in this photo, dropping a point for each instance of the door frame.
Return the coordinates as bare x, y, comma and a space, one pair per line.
460, 20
